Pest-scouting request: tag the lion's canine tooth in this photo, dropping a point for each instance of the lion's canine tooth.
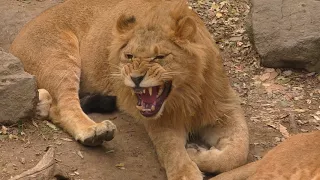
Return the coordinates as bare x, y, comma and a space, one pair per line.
160, 90
139, 107
150, 91
144, 91
153, 108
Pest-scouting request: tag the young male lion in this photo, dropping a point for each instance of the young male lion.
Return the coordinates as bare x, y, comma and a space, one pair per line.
158, 58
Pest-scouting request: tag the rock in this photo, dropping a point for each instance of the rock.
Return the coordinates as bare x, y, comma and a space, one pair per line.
13, 17
18, 90
286, 33
287, 73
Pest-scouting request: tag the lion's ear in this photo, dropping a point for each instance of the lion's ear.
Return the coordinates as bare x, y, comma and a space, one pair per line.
186, 28
125, 23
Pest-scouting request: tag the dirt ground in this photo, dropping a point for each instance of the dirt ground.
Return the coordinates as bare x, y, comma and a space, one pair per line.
277, 103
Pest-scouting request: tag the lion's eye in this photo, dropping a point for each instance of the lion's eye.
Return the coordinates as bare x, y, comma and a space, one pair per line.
129, 56
159, 57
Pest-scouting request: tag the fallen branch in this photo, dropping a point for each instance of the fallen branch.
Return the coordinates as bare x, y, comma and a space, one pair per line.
46, 169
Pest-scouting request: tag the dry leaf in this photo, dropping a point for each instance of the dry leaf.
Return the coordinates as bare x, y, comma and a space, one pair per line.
4, 130
52, 126
264, 77
269, 70
80, 154
110, 151
283, 131
273, 87
218, 15
214, 6
66, 139
120, 166
12, 136
316, 117
272, 125
300, 110
273, 75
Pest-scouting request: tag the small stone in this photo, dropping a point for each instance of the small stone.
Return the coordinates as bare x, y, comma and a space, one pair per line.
287, 73
277, 139
22, 160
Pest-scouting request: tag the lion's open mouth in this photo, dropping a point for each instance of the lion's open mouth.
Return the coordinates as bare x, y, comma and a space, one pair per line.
151, 99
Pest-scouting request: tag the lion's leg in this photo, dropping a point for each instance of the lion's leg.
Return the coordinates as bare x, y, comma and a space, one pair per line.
170, 146
62, 82
240, 173
229, 145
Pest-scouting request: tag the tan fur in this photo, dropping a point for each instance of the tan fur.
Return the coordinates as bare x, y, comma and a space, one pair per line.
297, 158
81, 45
44, 104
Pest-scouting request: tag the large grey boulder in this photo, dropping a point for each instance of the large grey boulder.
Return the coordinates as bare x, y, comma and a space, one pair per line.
287, 33
15, 14
18, 90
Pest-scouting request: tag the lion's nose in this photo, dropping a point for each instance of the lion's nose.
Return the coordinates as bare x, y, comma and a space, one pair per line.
137, 80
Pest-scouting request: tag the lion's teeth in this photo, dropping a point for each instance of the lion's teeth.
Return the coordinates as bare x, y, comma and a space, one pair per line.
160, 91
146, 110
153, 108
150, 91
139, 107
144, 91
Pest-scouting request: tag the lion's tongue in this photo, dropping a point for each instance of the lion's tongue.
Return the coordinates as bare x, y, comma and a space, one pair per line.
150, 99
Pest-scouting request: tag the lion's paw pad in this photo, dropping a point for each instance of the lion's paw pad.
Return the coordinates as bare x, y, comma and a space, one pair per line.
104, 131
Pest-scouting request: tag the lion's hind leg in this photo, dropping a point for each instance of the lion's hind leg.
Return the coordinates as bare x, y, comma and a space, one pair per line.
227, 146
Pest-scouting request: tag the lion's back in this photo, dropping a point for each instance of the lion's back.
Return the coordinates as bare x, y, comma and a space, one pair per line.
296, 158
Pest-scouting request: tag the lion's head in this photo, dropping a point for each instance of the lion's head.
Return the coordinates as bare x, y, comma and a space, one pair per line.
158, 57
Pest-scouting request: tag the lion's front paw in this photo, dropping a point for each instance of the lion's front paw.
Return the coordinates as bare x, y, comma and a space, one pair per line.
43, 106
96, 134
189, 171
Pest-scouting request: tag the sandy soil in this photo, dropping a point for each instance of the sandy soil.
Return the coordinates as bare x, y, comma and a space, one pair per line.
277, 102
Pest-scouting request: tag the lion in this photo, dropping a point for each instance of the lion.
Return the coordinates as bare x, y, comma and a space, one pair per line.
296, 158
159, 60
